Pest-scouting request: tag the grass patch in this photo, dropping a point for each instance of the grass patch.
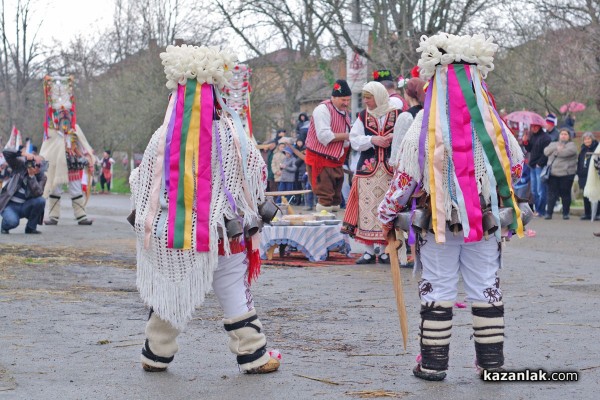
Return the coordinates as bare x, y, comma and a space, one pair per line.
119, 185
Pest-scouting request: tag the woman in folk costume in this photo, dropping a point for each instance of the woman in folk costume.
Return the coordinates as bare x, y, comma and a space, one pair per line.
371, 135
462, 158
196, 198
66, 149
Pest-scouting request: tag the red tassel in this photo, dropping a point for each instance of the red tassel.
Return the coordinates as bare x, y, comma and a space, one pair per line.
254, 261
415, 72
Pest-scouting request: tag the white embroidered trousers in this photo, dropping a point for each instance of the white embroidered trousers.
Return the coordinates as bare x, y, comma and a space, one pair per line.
477, 262
231, 287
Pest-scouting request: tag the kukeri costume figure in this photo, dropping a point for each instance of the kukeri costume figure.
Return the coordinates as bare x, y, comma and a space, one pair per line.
196, 199
66, 149
459, 160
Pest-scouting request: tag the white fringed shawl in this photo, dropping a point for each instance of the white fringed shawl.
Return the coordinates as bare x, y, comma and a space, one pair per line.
173, 281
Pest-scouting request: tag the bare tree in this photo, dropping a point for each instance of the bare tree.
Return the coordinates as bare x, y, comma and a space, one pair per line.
582, 17
136, 22
21, 63
397, 26
126, 104
292, 28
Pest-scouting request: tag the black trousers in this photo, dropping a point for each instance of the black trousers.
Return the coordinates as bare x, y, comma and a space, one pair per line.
559, 186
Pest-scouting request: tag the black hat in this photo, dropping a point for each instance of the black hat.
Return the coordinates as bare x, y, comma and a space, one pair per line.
341, 89
382, 75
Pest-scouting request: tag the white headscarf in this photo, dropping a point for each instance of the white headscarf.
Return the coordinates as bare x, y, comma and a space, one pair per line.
382, 99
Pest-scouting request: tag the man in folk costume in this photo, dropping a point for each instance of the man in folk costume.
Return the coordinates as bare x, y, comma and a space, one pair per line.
384, 76
371, 135
66, 149
462, 159
196, 199
327, 147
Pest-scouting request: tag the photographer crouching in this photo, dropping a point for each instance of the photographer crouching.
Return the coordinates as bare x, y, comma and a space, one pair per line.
22, 197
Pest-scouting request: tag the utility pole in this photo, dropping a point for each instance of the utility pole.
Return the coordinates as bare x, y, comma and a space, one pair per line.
356, 65
354, 105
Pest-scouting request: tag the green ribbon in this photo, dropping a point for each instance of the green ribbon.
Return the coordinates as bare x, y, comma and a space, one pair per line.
190, 92
484, 138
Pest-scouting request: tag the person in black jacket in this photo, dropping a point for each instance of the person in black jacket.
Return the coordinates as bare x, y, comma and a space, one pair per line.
583, 165
22, 197
535, 142
551, 121
302, 127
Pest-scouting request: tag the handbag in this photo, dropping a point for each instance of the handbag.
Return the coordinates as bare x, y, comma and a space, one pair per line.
546, 171
545, 174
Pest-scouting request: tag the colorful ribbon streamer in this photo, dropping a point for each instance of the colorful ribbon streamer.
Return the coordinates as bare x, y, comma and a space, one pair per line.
188, 166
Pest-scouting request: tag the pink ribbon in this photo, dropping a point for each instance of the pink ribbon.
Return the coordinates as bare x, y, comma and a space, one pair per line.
204, 174
462, 155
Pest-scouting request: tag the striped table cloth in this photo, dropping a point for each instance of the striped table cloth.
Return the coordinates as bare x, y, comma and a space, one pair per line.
313, 241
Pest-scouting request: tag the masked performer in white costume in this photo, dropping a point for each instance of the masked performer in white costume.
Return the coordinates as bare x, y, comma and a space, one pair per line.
66, 149
196, 199
458, 161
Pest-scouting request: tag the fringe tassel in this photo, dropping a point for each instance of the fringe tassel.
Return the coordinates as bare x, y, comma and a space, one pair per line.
254, 261
175, 300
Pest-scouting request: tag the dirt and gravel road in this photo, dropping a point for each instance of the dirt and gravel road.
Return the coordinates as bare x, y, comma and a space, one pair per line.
71, 323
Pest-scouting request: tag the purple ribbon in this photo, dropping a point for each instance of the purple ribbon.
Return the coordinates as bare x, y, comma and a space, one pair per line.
168, 140
412, 237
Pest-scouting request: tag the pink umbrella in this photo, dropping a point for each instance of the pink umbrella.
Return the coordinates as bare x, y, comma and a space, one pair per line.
572, 107
526, 117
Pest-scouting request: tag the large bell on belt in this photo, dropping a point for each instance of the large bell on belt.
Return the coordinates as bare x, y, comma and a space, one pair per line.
234, 228
488, 222
421, 219
454, 224
267, 210
403, 221
526, 213
252, 228
507, 216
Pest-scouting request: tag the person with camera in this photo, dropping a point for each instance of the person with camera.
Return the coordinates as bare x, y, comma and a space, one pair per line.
22, 197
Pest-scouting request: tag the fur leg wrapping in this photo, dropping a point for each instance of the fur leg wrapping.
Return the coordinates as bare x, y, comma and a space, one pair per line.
488, 327
79, 207
161, 342
436, 327
247, 341
54, 207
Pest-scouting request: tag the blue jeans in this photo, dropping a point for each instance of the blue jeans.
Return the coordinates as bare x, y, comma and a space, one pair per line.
538, 188
284, 187
309, 198
32, 209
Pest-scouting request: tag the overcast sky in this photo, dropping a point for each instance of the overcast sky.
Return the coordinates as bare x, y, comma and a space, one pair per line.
65, 19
